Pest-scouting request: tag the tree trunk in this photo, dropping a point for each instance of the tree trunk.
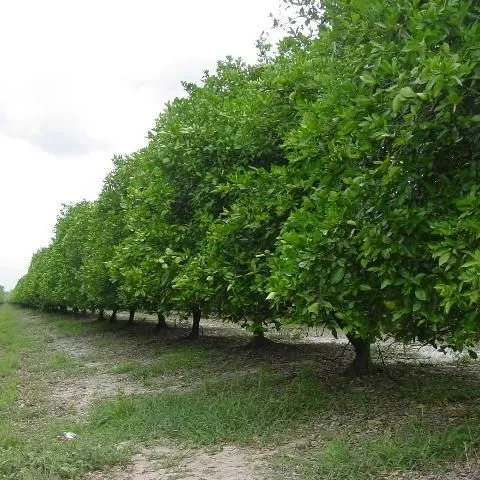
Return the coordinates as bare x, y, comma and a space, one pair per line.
75, 310
131, 316
84, 312
101, 314
197, 315
113, 318
258, 339
362, 363
162, 323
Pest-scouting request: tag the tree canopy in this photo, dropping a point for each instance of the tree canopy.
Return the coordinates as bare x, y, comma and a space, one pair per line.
335, 183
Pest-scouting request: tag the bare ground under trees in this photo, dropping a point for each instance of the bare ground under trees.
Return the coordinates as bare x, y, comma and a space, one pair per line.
102, 361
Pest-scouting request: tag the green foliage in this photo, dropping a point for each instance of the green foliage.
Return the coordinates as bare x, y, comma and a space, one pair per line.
335, 183
143, 264
389, 147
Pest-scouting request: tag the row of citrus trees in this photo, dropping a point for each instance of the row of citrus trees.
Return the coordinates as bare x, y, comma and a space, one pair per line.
335, 182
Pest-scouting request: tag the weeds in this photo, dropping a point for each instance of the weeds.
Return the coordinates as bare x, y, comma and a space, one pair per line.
415, 445
248, 411
181, 359
356, 429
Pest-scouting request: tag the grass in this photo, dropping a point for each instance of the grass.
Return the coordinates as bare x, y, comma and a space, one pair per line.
422, 421
248, 411
55, 460
29, 449
69, 325
413, 446
358, 429
12, 342
180, 360
61, 361
245, 412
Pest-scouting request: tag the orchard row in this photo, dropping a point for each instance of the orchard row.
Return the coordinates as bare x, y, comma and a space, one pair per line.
335, 182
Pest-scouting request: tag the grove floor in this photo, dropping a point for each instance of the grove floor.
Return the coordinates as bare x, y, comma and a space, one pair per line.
149, 404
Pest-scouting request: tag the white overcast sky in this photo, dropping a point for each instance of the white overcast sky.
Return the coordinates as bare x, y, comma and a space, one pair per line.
82, 80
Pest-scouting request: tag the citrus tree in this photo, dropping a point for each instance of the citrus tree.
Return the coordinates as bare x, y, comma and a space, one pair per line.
389, 146
142, 263
334, 183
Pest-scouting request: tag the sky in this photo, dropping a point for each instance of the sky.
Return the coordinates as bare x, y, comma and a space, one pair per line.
83, 80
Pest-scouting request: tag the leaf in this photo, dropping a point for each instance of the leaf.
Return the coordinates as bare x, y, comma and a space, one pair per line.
443, 258
338, 275
421, 294
367, 78
407, 92
385, 284
314, 307
397, 103
390, 304
271, 296
397, 315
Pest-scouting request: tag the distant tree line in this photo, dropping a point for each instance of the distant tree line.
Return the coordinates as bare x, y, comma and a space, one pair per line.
335, 183
3, 294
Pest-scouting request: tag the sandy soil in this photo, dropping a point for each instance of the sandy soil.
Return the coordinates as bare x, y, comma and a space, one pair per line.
226, 463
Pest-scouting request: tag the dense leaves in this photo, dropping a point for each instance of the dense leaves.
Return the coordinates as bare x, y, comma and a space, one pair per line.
336, 182
377, 246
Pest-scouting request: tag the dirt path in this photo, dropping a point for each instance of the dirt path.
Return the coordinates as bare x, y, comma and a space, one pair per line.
97, 380
225, 463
